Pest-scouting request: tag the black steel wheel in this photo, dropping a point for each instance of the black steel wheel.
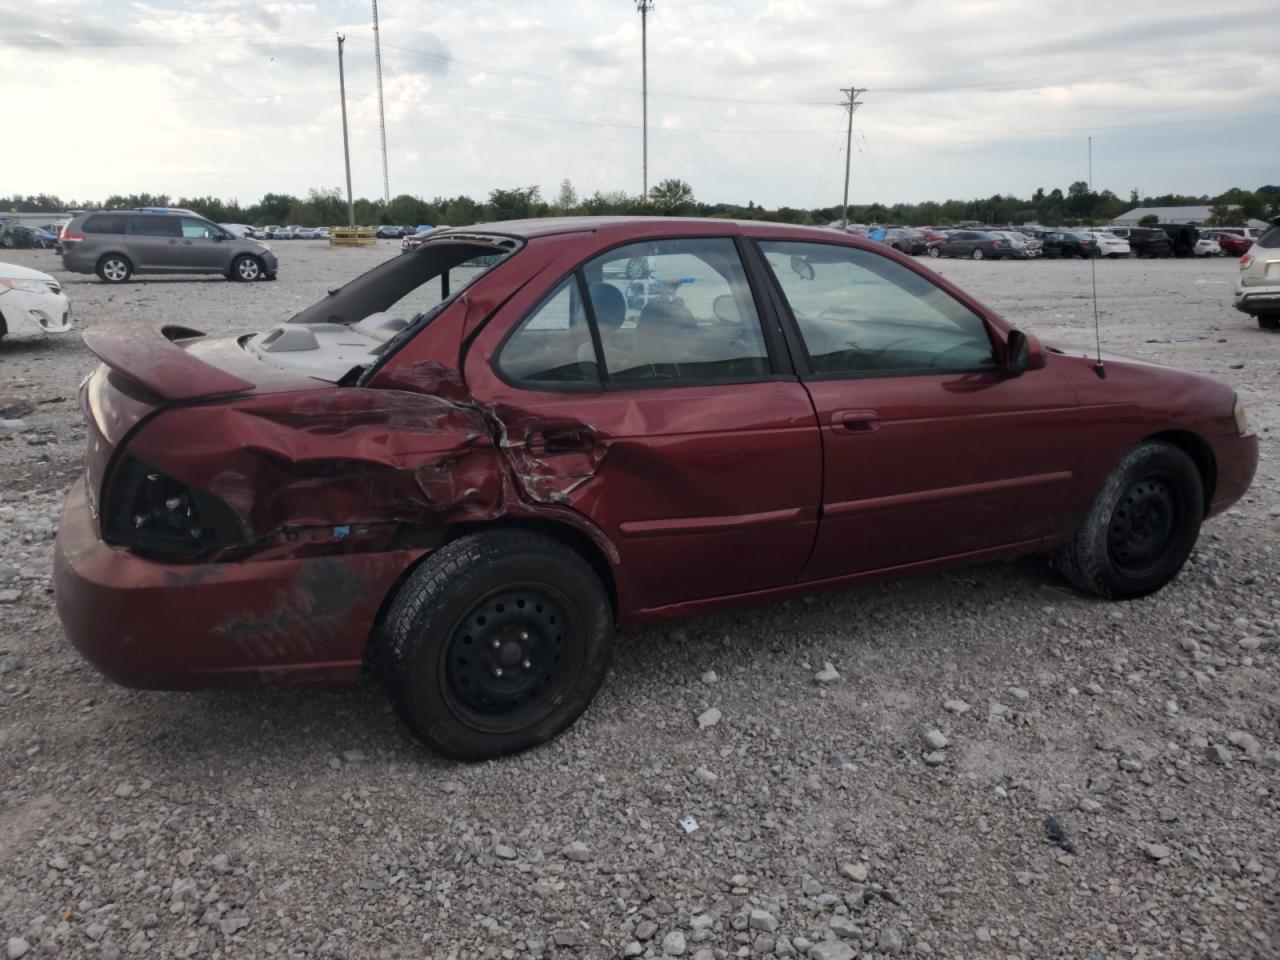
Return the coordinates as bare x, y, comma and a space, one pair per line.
1141, 527
497, 642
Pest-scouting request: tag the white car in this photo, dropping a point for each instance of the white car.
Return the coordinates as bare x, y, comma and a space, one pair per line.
241, 230
1207, 248
1109, 245
31, 303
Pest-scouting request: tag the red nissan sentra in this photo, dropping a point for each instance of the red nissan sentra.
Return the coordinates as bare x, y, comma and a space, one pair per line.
464, 468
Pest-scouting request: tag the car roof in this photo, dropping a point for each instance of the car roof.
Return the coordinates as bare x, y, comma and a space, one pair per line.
621, 227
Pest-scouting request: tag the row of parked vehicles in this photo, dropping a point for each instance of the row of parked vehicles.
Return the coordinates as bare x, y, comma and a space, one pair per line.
1025, 243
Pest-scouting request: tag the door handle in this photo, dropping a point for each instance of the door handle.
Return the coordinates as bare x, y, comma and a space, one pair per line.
855, 422
542, 442
187, 243
173, 241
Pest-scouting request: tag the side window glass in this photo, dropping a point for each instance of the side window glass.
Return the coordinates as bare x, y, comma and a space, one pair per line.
1270, 240
552, 345
860, 312
194, 229
676, 310
105, 223
154, 226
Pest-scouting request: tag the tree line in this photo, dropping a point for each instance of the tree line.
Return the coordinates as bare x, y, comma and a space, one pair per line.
1076, 205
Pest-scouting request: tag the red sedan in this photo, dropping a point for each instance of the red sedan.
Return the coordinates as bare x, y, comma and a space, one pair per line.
464, 468
1232, 244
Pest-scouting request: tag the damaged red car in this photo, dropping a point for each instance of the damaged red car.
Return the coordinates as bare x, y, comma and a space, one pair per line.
462, 470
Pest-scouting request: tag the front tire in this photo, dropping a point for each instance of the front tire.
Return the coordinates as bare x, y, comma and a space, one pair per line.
977, 253
246, 268
935, 252
115, 268
1141, 526
495, 643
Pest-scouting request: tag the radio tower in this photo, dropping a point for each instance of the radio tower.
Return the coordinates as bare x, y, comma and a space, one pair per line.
382, 115
644, 6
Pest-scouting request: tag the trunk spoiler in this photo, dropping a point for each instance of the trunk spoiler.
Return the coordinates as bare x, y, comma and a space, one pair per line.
152, 357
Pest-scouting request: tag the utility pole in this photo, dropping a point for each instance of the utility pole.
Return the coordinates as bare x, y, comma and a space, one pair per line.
346, 147
382, 115
644, 6
852, 104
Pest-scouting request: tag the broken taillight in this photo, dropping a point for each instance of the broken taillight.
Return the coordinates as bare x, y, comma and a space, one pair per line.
148, 511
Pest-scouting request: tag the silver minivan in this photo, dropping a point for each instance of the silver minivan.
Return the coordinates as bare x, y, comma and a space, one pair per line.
116, 244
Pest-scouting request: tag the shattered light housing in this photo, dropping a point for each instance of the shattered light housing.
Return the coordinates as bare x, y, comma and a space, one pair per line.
153, 513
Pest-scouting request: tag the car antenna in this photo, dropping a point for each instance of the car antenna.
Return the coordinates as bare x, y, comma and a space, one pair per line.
1098, 367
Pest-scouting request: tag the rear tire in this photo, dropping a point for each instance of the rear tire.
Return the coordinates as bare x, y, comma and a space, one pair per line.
935, 252
495, 643
115, 268
1141, 526
246, 268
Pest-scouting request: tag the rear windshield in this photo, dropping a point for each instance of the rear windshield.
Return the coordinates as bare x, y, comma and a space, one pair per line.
105, 223
1270, 240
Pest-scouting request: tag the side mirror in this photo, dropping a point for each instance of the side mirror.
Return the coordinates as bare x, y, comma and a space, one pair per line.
1022, 352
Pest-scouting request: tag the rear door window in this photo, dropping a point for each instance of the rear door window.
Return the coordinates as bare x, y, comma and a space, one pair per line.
1269, 240
105, 223
676, 310
145, 226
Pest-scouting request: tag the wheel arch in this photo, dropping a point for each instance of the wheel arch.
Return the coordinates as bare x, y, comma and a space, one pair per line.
1201, 455
572, 537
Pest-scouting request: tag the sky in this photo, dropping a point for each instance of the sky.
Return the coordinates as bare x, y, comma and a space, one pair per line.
964, 98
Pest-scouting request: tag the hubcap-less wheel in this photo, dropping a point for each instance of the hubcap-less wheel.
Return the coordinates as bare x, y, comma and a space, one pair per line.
512, 658
115, 270
248, 269
1142, 526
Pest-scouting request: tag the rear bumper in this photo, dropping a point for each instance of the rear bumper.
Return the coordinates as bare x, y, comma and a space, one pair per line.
149, 624
1257, 300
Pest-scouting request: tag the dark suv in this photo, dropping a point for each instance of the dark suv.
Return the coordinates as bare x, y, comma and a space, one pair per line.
116, 244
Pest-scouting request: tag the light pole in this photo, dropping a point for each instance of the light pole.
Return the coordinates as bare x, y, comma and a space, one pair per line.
644, 6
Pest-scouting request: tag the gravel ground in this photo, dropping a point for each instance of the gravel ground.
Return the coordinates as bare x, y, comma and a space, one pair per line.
899, 804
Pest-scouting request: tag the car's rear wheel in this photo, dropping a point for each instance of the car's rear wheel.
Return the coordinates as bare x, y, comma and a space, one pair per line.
935, 252
246, 268
1141, 526
977, 253
495, 643
115, 268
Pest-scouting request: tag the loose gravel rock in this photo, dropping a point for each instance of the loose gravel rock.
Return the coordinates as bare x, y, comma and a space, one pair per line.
309, 824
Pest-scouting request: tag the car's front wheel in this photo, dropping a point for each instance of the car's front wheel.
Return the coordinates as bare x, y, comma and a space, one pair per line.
1141, 526
495, 643
115, 268
246, 268
977, 253
935, 252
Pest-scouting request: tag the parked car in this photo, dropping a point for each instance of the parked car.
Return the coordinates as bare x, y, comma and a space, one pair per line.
1232, 244
1019, 247
1182, 237
1258, 287
414, 240
446, 492
390, 232
15, 235
306, 233
906, 240
237, 229
1060, 244
1145, 241
971, 243
1207, 248
272, 233
31, 303
116, 244
320, 233
1110, 245
42, 238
